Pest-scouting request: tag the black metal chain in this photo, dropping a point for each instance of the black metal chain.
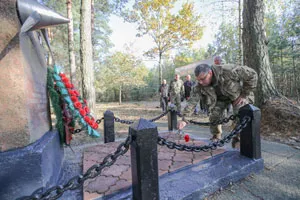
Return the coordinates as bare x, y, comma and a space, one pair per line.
212, 146
221, 121
123, 121
77, 181
131, 122
158, 117
98, 121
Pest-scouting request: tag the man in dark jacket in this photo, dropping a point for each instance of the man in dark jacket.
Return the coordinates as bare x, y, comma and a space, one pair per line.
187, 87
164, 91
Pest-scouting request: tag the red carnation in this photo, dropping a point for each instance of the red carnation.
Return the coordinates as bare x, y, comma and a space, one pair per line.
87, 110
68, 85
76, 92
91, 122
77, 104
62, 74
74, 98
95, 125
87, 119
65, 79
82, 112
187, 138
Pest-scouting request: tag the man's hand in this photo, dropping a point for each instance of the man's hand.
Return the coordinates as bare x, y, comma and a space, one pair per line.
240, 101
181, 125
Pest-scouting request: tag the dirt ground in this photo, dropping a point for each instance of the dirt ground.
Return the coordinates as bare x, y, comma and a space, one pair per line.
280, 121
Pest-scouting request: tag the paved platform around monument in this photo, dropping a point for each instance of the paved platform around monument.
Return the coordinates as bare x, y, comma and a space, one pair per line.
278, 180
118, 176
182, 174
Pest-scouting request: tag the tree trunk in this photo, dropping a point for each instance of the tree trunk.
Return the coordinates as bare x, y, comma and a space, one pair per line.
120, 95
294, 70
240, 34
86, 54
71, 45
255, 50
159, 68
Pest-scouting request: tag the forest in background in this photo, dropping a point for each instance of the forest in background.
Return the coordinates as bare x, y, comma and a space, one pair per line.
123, 74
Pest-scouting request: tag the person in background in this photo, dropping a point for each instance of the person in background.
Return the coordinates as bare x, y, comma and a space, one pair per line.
187, 87
164, 93
219, 86
176, 90
218, 60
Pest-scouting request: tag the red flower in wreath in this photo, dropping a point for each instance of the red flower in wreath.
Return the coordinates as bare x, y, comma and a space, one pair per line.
77, 104
82, 112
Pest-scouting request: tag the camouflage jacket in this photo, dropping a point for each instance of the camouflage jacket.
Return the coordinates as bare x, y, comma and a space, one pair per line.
233, 81
176, 87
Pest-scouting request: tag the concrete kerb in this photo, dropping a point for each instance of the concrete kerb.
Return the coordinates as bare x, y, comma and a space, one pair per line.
199, 180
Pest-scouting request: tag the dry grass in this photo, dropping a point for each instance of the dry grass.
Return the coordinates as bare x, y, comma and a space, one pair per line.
132, 111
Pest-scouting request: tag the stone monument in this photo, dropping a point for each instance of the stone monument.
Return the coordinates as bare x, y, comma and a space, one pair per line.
26, 139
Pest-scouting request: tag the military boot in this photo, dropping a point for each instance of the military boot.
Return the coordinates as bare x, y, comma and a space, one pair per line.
216, 137
235, 143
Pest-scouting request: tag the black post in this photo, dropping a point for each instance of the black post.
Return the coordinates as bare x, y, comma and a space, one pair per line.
144, 163
172, 118
109, 126
250, 136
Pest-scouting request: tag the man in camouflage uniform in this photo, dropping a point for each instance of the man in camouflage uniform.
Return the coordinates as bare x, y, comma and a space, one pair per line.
176, 91
219, 86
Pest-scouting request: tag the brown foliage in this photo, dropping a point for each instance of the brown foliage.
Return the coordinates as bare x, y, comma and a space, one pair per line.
280, 120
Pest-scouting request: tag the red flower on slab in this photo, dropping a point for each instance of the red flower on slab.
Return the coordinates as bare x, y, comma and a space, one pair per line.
187, 138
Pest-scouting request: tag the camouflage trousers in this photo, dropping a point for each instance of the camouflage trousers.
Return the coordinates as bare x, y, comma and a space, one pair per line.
218, 113
176, 100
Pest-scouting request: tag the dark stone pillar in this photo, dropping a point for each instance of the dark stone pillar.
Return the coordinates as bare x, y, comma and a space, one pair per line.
109, 126
144, 163
250, 136
172, 118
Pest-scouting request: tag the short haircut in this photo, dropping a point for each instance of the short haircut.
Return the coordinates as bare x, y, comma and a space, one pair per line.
202, 68
218, 58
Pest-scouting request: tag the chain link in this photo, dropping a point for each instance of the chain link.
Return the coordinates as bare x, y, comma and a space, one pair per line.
158, 117
77, 181
212, 146
222, 121
123, 121
98, 121
131, 122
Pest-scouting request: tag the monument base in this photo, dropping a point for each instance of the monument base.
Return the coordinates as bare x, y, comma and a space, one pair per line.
26, 169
